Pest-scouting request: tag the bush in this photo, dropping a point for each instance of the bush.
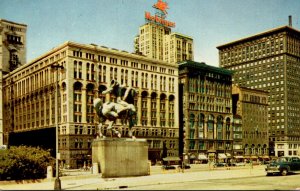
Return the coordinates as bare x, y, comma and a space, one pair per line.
23, 162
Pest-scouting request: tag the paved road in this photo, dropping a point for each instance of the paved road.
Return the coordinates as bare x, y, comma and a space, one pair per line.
290, 182
214, 179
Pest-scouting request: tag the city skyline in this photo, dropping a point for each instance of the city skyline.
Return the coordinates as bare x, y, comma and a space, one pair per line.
209, 23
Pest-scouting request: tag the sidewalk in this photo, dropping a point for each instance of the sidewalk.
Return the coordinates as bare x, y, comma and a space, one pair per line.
94, 182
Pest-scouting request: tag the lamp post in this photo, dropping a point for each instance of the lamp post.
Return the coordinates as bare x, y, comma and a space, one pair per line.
57, 183
1, 112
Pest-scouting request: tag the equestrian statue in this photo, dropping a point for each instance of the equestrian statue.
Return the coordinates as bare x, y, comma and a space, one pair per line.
122, 109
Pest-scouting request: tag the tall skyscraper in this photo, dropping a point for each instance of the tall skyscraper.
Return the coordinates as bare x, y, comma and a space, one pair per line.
271, 61
155, 40
12, 54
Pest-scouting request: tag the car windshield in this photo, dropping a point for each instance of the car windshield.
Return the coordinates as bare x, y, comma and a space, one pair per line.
283, 159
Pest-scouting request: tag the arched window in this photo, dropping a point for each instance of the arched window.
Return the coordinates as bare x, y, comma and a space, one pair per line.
258, 149
89, 102
100, 94
264, 150
246, 149
153, 109
192, 126
88, 71
80, 70
220, 127
162, 110
210, 126
227, 127
77, 102
201, 126
252, 151
171, 111
144, 108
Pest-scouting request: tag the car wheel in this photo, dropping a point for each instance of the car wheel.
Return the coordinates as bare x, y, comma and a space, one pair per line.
284, 172
268, 174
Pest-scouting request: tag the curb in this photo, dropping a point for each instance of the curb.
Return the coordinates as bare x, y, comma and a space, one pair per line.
30, 181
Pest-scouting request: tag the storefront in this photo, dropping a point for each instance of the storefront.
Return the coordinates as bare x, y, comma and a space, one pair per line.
238, 158
222, 157
202, 158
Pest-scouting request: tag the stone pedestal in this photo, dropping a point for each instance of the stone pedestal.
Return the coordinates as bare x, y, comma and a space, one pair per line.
121, 157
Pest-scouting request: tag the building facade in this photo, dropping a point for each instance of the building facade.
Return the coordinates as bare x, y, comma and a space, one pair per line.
207, 112
12, 54
237, 130
178, 48
158, 42
270, 61
29, 99
252, 105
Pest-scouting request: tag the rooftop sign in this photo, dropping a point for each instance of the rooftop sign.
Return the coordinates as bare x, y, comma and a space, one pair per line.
160, 16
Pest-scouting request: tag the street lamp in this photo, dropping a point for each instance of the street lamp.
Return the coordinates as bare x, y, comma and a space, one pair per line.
57, 183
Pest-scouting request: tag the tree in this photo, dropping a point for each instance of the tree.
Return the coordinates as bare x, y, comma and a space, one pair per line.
23, 162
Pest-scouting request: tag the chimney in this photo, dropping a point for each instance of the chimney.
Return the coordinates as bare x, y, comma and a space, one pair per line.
290, 21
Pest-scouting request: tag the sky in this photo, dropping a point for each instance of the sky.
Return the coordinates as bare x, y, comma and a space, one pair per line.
115, 23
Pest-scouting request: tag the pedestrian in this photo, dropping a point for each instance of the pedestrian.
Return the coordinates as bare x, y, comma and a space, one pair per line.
228, 165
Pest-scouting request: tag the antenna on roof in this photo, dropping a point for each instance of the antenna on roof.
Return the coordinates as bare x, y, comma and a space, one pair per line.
290, 21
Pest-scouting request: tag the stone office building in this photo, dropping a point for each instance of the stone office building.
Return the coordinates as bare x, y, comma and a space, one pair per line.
207, 112
29, 99
271, 61
252, 106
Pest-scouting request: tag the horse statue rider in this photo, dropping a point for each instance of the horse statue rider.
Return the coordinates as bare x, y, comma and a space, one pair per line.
123, 108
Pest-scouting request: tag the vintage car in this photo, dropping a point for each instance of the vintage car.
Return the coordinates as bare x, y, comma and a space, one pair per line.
186, 166
220, 164
283, 165
168, 167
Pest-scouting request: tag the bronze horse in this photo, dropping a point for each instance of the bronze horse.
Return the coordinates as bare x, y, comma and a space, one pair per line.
112, 111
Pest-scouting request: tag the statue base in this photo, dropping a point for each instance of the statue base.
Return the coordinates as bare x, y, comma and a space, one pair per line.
121, 157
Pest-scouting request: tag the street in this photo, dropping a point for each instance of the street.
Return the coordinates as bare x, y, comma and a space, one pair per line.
276, 182
199, 177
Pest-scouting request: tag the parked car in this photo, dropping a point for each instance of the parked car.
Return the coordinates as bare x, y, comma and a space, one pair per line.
238, 164
186, 166
168, 167
220, 164
283, 165
265, 162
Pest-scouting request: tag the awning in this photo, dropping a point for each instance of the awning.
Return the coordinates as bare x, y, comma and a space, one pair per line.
253, 157
222, 156
228, 155
202, 157
192, 156
238, 157
171, 159
264, 157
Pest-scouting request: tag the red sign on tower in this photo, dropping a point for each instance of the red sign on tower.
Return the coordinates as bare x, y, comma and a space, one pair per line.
162, 6
160, 18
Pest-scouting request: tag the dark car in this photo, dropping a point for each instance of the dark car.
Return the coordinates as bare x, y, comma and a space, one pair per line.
283, 165
220, 164
186, 166
168, 167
